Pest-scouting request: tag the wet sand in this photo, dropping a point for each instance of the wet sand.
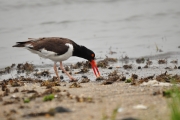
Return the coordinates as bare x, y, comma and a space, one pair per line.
122, 87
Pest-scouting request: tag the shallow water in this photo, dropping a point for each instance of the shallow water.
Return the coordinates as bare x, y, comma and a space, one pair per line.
129, 27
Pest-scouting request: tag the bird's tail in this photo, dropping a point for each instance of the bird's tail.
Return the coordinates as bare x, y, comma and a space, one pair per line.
21, 44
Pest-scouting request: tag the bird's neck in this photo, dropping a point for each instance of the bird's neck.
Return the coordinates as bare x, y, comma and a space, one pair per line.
79, 51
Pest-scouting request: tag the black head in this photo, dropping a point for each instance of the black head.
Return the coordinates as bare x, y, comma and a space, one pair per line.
83, 52
87, 53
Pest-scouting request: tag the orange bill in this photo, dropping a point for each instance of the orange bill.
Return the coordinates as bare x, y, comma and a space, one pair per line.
95, 69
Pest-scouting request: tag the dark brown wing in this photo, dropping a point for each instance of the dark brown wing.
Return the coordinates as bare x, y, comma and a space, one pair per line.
54, 44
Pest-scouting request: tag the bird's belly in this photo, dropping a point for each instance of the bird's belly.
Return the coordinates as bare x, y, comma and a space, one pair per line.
59, 57
52, 55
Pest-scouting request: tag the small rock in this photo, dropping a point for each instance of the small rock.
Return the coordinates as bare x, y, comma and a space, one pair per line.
120, 110
140, 106
61, 77
139, 67
110, 67
84, 76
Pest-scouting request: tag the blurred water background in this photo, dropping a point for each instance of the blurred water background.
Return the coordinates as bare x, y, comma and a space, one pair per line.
129, 27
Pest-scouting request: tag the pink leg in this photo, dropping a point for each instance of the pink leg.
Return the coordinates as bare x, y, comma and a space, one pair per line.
62, 68
55, 69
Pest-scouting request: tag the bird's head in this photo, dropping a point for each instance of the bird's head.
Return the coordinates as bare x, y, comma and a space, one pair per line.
90, 56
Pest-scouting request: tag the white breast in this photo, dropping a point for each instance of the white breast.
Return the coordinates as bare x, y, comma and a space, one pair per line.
52, 55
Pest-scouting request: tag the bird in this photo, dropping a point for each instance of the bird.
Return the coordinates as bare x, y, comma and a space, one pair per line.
59, 49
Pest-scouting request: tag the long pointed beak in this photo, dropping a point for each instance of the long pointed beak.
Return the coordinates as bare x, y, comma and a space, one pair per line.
95, 69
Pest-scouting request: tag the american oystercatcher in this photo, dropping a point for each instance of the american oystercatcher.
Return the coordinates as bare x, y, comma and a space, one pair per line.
59, 49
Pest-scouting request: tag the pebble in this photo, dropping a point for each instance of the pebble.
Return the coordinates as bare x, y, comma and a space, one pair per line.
140, 106
120, 109
84, 76
110, 67
139, 67
61, 77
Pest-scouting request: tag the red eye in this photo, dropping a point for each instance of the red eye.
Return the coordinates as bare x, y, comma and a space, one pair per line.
92, 55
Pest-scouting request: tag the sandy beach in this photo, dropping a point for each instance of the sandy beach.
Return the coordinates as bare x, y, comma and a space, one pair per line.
141, 98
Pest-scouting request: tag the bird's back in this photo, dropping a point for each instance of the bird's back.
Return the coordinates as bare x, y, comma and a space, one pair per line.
54, 48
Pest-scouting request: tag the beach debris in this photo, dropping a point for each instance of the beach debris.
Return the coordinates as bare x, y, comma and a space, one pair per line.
140, 60
7, 69
107, 82
162, 61
26, 67
50, 112
174, 61
175, 67
9, 102
155, 83
44, 73
16, 83
165, 77
158, 92
29, 91
100, 78
134, 76
149, 62
81, 64
84, 70
104, 63
127, 66
75, 85
112, 77
84, 99
140, 107
50, 84
3, 87
6, 92
48, 97
51, 91
84, 80
146, 66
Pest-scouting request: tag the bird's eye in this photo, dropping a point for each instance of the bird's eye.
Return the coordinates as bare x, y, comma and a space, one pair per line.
92, 55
